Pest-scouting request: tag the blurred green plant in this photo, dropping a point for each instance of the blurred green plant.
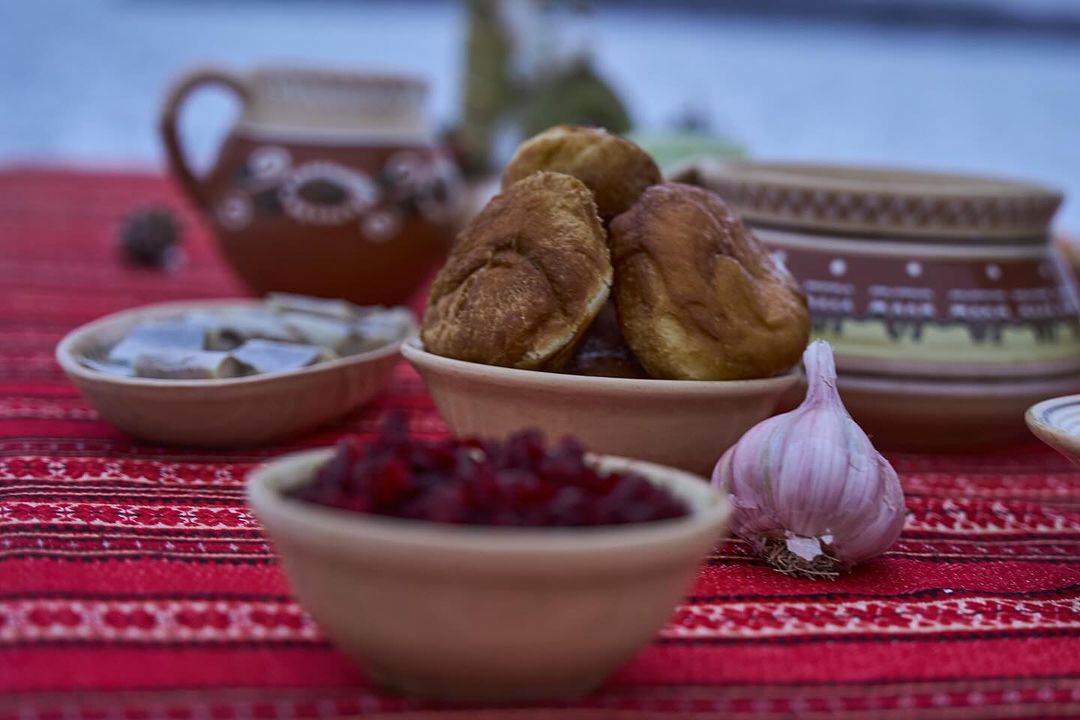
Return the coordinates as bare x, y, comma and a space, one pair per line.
576, 95
522, 77
499, 96
488, 91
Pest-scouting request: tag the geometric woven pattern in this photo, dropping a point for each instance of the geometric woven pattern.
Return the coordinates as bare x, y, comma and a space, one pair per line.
135, 583
892, 214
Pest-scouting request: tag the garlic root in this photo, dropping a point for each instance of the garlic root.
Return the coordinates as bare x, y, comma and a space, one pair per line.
822, 566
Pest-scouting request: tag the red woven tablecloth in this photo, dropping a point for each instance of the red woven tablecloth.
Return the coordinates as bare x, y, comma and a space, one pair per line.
134, 583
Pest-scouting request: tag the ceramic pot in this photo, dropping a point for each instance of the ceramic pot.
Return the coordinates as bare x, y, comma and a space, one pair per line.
330, 183
946, 286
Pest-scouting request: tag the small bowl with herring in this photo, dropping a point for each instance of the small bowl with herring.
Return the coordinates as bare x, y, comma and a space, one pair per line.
227, 373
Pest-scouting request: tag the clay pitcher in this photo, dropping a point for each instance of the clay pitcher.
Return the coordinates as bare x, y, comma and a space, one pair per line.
330, 183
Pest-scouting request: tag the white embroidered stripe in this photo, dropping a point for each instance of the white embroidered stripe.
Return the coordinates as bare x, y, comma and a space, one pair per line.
241, 621
875, 617
153, 621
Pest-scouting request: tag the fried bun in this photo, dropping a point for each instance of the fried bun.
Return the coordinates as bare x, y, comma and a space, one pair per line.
615, 169
698, 296
525, 280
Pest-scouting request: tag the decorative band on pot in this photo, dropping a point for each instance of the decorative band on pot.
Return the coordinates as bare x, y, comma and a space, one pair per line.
894, 201
924, 309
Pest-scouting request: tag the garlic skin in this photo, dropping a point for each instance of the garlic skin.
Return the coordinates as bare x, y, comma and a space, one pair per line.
807, 488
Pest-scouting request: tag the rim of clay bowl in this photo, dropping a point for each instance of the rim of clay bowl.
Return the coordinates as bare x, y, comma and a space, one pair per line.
882, 180
67, 356
873, 201
1040, 419
413, 350
957, 387
265, 483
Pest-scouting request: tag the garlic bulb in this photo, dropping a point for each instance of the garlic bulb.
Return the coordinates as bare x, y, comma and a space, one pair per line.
807, 488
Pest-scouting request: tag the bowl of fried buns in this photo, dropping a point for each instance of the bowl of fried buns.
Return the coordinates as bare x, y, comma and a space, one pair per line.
589, 297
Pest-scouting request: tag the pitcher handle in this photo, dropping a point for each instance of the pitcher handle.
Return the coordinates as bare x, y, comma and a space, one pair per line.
178, 94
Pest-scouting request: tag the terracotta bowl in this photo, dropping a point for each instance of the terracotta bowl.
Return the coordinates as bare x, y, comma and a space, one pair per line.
683, 423
219, 413
925, 279
917, 414
486, 614
1057, 423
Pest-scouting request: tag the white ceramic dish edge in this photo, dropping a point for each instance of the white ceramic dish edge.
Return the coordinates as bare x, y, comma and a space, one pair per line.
1057, 423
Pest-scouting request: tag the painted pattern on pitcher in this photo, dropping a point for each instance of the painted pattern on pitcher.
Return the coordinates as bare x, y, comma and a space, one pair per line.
270, 183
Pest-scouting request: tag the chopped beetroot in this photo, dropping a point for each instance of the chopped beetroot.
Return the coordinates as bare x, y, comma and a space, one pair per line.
517, 482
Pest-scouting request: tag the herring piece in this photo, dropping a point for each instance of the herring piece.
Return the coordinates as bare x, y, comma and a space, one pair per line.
228, 328
107, 368
267, 356
280, 302
383, 327
186, 365
159, 335
337, 335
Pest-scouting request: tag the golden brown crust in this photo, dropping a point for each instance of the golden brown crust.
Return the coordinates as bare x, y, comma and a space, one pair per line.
525, 279
699, 297
615, 169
